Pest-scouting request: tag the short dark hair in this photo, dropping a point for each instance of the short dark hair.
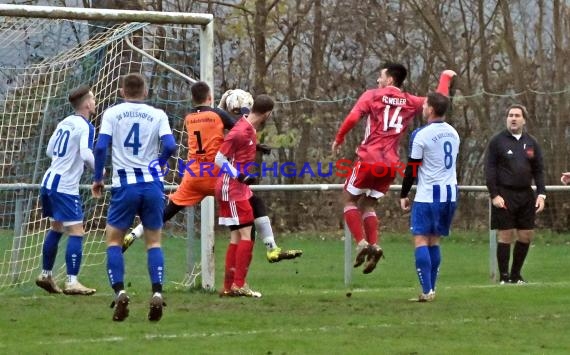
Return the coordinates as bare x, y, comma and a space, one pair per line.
200, 91
519, 106
133, 85
439, 103
396, 71
78, 95
262, 104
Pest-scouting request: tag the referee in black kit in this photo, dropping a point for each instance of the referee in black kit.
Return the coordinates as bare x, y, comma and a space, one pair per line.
513, 160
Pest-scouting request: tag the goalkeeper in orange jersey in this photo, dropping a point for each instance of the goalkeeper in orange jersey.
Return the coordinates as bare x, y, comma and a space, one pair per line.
205, 127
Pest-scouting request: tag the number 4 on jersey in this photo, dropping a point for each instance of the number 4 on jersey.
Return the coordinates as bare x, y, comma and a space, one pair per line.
132, 140
395, 121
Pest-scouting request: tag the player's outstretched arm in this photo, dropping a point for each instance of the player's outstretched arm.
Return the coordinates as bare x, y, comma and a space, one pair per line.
360, 109
446, 81
446, 86
347, 125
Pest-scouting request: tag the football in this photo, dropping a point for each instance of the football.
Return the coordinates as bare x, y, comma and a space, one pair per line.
234, 100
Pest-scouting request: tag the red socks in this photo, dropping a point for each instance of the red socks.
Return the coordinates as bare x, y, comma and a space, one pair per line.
243, 259
353, 219
230, 266
370, 222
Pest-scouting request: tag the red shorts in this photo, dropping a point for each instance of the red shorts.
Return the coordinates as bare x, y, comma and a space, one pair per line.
192, 190
374, 181
235, 213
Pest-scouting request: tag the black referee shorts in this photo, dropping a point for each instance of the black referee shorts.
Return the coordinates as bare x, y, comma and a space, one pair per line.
520, 212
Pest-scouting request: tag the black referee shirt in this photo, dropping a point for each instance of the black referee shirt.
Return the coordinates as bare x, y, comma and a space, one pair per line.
514, 163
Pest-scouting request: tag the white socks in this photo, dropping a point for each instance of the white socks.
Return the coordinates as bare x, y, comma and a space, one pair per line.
138, 231
263, 227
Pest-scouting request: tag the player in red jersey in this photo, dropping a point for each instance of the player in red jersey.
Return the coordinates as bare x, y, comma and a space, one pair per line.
236, 154
205, 127
390, 111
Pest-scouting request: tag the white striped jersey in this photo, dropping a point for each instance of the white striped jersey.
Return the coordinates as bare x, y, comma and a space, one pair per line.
135, 129
437, 144
71, 135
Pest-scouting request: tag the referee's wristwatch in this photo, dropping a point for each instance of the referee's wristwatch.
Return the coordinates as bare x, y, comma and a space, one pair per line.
543, 196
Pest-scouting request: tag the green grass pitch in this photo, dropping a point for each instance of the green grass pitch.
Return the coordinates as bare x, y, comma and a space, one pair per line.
306, 308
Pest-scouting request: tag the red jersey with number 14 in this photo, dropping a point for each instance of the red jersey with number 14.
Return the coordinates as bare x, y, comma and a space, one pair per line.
389, 111
239, 148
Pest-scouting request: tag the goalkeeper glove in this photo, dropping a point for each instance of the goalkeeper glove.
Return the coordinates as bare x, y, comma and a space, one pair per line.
452, 86
222, 103
263, 148
246, 179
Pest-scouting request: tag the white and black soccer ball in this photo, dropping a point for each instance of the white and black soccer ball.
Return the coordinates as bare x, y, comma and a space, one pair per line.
233, 100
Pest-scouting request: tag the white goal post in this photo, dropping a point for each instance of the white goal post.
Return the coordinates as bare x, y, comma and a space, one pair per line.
156, 42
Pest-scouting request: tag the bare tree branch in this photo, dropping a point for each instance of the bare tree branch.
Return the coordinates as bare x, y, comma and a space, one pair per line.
287, 35
240, 6
272, 5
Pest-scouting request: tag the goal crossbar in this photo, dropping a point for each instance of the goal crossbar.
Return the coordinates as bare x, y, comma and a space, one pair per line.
107, 15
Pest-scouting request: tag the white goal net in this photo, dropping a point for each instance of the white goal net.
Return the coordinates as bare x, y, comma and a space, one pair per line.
41, 59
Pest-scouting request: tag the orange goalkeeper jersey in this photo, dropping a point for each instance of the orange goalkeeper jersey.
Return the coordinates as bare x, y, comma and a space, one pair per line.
205, 128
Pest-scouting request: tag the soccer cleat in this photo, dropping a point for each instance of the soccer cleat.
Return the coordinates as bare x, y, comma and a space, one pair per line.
361, 253
244, 291
155, 310
225, 293
48, 284
424, 297
518, 280
277, 254
375, 253
77, 289
504, 279
121, 305
128, 240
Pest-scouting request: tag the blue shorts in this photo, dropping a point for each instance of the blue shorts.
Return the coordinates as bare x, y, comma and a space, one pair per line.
61, 207
143, 199
432, 218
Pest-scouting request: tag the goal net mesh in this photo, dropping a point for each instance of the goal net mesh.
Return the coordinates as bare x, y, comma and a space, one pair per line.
41, 60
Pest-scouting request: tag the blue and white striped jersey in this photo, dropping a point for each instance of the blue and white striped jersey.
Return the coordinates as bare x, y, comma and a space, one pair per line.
437, 144
135, 129
71, 136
